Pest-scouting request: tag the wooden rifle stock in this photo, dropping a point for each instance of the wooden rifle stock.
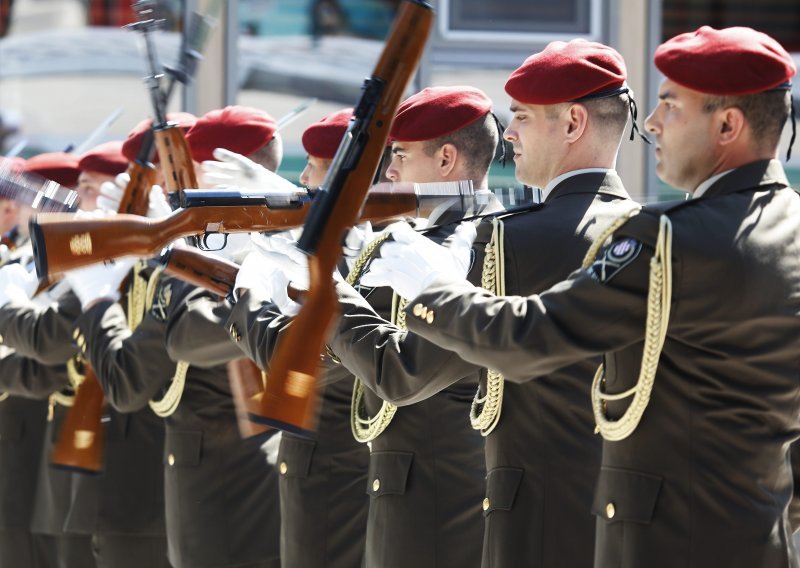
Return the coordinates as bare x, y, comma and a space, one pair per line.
207, 271
290, 399
61, 242
80, 442
136, 197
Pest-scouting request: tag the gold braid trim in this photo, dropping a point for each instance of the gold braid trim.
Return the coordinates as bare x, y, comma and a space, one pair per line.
365, 428
659, 295
140, 299
484, 415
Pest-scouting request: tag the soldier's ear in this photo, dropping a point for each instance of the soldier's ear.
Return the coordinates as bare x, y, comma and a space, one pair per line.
447, 156
731, 124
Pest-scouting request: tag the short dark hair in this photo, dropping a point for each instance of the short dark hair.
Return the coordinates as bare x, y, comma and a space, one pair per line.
270, 155
766, 113
606, 113
476, 141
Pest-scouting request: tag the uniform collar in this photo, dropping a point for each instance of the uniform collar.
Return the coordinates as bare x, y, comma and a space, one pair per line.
753, 175
589, 180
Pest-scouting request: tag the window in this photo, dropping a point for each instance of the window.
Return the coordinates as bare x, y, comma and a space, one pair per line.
515, 21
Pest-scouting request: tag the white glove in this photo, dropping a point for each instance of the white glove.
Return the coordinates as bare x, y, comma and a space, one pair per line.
111, 193
356, 241
271, 447
16, 284
411, 262
99, 280
281, 249
235, 170
267, 280
237, 247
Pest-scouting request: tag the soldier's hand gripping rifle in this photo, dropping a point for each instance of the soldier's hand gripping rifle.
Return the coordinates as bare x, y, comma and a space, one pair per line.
289, 401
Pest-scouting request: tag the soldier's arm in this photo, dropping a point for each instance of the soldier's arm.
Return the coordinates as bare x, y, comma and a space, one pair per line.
27, 377
43, 333
255, 326
596, 310
132, 367
196, 331
400, 367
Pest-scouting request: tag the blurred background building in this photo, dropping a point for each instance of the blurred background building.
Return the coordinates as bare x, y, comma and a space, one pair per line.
67, 65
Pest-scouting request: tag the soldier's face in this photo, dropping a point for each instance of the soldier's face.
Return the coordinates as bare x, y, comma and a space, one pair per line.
88, 189
685, 141
315, 171
411, 163
535, 134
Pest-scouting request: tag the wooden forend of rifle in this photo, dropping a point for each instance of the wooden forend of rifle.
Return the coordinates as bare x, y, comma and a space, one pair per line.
136, 197
290, 399
80, 442
175, 155
203, 270
247, 381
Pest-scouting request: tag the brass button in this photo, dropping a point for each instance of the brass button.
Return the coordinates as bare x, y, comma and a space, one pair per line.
75, 333
611, 510
283, 468
81, 341
83, 348
486, 504
376, 484
235, 333
171, 459
429, 317
417, 311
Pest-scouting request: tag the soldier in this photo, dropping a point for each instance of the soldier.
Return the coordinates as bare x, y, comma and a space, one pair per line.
50, 378
426, 464
694, 305
222, 496
323, 505
122, 508
542, 458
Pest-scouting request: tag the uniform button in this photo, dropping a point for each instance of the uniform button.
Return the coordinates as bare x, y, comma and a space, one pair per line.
83, 348
486, 504
171, 459
235, 333
429, 317
81, 341
75, 333
376, 484
283, 468
611, 510
417, 311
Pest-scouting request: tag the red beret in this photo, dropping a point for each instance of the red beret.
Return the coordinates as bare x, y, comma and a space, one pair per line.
59, 167
106, 158
132, 144
239, 129
437, 111
14, 165
322, 138
565, 72
732, 61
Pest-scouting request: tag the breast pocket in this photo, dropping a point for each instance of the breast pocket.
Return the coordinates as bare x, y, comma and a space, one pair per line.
624, 495
502, 484
388, 473
183, 448
295, 456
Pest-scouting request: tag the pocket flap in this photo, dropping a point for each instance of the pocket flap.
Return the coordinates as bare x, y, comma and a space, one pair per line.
502, 484
625, 495
294, 456
183, 448
388, 473
12, 427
